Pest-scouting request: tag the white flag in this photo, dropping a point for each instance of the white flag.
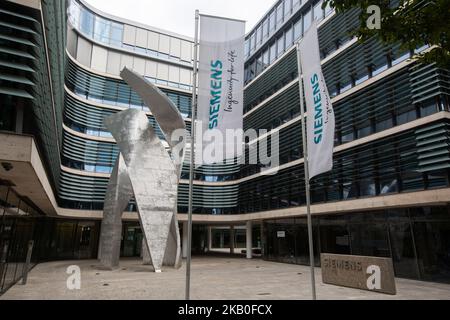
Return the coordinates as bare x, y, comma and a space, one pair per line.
220, 89
320, 122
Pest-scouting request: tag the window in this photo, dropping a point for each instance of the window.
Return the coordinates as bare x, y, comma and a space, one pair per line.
247, 47
272, 22
259, 65
361, 79
279, 13
288, 37
102, 30
298, 30
116, 34
407, 116
379, 70
287, 7
265, 59
401, 58
364, 130
280, 46
428, 107
258, 35
265, 29
296, 4
273, 52
318, 11
87, 22
383, 124
252, 43
306, 20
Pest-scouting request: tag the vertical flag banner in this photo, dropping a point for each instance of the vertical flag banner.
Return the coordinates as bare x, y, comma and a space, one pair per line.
320, 123
220, 88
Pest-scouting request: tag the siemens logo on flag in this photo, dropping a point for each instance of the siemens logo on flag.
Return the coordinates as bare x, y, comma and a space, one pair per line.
318, 114
216, 93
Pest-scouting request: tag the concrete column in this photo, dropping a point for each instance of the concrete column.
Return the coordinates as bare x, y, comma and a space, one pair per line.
99, 250
145, 253
185, 240
232, 245
209, 238
19, 118
249, 240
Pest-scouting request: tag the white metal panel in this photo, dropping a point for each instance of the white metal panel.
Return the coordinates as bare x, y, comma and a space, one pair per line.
113, 66
139, 65
164, 44
72, 39
185, 76
151, 68
126, 61
153, 41
174, 74
141, 38
99, 58
163, 71
186, 51
175, 47
84, 50
129, 35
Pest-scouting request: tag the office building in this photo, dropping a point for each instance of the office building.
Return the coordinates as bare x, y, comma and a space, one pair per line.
388, 193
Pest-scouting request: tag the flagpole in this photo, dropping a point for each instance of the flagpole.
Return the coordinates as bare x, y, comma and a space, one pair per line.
305, 164
191, 165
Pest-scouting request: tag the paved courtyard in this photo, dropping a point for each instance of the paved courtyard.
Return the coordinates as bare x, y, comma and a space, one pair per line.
212, 278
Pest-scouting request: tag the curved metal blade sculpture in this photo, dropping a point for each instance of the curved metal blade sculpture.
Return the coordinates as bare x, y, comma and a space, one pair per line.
145, 170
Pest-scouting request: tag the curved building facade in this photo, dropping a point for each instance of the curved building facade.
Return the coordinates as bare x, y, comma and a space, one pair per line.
387, 195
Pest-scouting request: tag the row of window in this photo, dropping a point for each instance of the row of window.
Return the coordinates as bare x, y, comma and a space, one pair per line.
275, 19
290, 146
282, 43
116, 93
267, 195
335, 89
112, 62
112, 33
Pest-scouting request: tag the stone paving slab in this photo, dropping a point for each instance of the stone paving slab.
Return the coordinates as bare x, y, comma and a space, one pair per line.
212, 278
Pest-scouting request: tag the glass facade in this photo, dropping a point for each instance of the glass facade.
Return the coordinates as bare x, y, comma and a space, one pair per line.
417, 239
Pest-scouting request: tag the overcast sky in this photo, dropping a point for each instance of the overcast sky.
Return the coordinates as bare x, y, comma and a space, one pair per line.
178, 15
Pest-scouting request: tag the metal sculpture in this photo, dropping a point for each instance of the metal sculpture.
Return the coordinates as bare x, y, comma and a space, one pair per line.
145, 170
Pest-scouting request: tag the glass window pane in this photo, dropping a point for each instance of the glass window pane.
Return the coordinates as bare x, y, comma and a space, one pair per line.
265, 29
102, 30
87, 22
273, 52
318, 11
252, 43
116, 34
247, 47
259, 35
287, 7
272, 22
280, 46
306, 20
288, 37
297, 30
280, 13
259, 65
